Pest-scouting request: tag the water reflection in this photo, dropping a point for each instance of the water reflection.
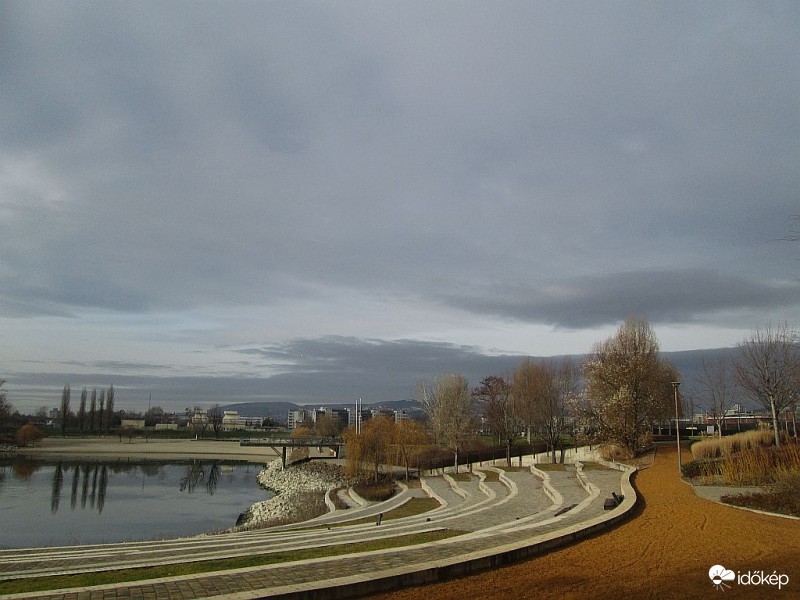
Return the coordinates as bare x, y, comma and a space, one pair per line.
61, 502
89, 480
200, 474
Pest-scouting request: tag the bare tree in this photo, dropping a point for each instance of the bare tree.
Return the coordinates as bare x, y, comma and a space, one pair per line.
199, 422
101, 411
5, 407
110, 408
215, 416
427, 401
451, 409
716, 387
93, 410
626, 384
525, 390
65, 394
409, 435
499, 409
82, 410
664, 397
327, 426
559, 383
767, 370
377, 435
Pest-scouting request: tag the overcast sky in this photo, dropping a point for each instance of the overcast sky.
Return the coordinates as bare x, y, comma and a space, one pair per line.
256, 191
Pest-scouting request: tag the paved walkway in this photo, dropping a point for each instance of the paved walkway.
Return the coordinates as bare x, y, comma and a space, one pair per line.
518, 512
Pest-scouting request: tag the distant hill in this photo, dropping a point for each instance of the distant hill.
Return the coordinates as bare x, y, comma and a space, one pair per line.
274, 410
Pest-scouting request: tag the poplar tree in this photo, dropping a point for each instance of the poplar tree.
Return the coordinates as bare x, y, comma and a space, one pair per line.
110, 408
93, 410
65, 394
82, 411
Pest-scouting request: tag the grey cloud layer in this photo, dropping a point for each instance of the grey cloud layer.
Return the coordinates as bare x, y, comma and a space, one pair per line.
573, 163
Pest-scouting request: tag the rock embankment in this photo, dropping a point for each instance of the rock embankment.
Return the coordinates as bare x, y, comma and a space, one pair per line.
293, 487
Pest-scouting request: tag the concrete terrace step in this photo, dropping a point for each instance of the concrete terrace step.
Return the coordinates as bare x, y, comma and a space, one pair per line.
540, 529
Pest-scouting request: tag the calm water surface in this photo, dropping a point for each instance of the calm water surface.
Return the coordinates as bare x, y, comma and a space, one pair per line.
49, 503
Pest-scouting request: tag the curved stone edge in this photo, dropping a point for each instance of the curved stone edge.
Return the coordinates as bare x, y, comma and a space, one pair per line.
748, 509
448, 569
549, 490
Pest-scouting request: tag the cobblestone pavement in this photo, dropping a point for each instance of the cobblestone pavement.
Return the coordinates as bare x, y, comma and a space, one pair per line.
493, 514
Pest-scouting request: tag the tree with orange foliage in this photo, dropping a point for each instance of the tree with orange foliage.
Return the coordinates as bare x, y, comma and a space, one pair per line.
28, 434
409, 435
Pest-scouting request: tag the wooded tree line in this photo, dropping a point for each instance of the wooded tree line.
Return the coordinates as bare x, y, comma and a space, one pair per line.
622, 390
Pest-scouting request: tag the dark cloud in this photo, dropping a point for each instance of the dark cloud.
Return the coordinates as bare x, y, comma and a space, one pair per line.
660, 296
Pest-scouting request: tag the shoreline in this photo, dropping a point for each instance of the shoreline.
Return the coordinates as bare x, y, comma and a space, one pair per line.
137, 448
286, 486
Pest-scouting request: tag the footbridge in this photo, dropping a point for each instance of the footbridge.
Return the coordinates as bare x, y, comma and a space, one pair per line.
334, 443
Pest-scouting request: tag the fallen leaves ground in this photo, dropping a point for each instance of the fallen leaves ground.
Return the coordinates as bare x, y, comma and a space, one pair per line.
664, 550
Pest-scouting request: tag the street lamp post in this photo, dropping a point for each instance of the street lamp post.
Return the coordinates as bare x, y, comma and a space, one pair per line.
675, 385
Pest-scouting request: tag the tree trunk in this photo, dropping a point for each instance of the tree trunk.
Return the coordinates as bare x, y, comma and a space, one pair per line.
775, 422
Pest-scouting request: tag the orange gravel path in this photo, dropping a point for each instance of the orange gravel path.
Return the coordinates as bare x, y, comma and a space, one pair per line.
663, 551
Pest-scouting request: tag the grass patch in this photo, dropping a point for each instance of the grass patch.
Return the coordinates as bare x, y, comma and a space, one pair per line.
514, 469
595, 466
465, 477
551, 467
491, 476
412, 508
375, 492
38, 583
782, 497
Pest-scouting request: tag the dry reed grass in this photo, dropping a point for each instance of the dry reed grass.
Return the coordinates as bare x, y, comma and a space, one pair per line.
756, 465
759, 466
721, 447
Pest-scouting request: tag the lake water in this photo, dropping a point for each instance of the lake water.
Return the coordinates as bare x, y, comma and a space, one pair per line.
49, 503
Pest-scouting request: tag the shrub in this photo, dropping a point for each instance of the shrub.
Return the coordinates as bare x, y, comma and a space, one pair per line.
375, 492
615, 452
783, 496
28, 434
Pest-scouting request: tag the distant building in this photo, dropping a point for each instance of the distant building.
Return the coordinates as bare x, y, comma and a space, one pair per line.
231, 421
200, 417
401, 415
297, 417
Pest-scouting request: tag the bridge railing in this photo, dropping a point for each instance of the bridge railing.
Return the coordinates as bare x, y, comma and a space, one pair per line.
301, 441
